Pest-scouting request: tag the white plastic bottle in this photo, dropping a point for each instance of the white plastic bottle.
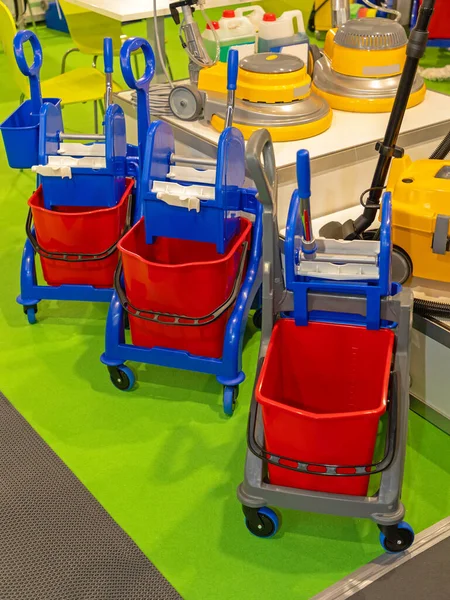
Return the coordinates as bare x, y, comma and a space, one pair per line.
278, 35
231, 31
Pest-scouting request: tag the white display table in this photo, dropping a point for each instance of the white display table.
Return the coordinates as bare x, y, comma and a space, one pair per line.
342, 159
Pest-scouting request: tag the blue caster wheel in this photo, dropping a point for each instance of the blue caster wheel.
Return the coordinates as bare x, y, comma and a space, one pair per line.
396, 538
30, 312
262, 522
122, 377
230, 394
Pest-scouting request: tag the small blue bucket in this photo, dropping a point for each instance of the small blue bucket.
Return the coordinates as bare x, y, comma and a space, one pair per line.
21, 135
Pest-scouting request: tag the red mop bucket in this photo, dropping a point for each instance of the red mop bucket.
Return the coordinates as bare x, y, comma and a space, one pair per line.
77, 230
180, 277
318, 403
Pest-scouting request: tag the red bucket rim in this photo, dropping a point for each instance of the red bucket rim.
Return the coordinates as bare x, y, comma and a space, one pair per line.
38, 192
264, 401
223, 258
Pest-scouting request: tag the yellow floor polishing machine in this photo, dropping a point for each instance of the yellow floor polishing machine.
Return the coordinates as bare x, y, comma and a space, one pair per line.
272, 91
362, 63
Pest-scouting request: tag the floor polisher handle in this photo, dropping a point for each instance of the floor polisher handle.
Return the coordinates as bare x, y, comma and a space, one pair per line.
232, 75
387, 148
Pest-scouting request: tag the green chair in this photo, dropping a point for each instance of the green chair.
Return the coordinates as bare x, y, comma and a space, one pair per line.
84, 84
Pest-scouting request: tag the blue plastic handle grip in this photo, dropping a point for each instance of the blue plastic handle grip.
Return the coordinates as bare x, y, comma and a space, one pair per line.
303, 174
232, 71
19, 40
108, 55
131, 45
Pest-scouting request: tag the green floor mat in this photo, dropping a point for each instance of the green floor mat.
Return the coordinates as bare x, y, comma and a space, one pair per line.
163, 460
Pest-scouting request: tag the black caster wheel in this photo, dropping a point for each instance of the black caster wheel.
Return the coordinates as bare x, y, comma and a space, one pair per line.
262, 522
122, 377
30, 312
396, 538
257, 318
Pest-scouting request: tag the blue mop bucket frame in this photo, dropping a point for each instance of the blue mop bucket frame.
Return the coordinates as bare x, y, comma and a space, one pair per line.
373, 290
164, 220
102, 187
20, 130
213, 223
31, 292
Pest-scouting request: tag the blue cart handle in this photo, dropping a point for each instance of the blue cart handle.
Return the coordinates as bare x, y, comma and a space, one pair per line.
141, 85
303, 174
232, 70
129, 46
108, 55
32, 72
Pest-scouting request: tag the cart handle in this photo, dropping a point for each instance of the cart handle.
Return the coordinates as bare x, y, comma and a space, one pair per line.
154, 317
129, 46
108, 55
30, 71
76, 256
108, 61
141, 85
260, 157
302, 466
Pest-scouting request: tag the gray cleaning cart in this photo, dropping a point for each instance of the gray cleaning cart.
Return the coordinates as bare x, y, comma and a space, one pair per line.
333, 304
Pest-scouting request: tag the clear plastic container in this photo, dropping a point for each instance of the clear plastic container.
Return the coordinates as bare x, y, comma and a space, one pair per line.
231, 31
280, 35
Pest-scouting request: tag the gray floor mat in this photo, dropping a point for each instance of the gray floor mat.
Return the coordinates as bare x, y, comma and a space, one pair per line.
420, 573
424, 577
56, 540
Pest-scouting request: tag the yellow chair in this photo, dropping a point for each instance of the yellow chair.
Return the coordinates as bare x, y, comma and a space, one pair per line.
88, 29
84, 84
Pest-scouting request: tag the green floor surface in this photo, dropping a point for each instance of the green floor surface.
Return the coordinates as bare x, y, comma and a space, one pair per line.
163, 460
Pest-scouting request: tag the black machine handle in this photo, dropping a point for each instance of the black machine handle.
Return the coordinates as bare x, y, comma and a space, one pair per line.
302, 466
388, 149
155, 317
76, 256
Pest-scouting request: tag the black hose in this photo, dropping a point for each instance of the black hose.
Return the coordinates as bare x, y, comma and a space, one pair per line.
388, 150
442, 150
430, 308
312, 16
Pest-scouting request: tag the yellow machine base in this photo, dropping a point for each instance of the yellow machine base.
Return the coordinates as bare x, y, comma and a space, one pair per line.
359, 105
280, 134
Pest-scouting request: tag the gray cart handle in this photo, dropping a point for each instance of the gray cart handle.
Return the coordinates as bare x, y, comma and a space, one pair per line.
263, 172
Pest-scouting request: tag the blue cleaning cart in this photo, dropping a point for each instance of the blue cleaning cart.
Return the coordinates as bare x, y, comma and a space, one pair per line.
334, 357
194, 215
84, 200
